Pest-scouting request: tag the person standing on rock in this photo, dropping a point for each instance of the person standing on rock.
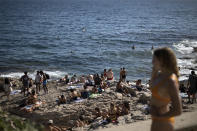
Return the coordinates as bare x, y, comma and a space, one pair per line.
7, 87
44, 82
120, 74
37, 82
165, 90
25, 81
110, 75
124, 74
192, 86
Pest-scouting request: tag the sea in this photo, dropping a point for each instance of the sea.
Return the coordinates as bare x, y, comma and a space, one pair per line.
86, 36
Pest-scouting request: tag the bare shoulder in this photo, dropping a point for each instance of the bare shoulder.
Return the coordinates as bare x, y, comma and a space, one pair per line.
172, 81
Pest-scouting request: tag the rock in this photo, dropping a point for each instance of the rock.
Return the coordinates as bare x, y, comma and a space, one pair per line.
144, 99
119, 95
132, 92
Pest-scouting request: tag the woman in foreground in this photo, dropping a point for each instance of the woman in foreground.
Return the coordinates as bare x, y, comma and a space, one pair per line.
165, 102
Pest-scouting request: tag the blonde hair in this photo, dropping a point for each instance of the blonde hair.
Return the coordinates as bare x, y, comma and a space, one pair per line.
167, 60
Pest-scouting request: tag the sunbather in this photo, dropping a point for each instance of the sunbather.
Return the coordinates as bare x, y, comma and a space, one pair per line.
61, 100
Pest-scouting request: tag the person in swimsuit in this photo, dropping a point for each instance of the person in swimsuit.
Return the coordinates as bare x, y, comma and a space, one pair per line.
105, 73
110, 75
124, 74
165, 90
120, 74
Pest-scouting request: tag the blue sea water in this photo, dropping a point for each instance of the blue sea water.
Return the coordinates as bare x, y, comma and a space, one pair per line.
86, 36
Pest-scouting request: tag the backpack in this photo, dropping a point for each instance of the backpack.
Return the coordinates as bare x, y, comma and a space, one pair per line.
47, 76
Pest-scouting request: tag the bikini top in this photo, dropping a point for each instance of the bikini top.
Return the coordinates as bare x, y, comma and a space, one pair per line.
154, 90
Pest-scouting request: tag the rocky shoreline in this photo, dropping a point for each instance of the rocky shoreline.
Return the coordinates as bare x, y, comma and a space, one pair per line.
66, 115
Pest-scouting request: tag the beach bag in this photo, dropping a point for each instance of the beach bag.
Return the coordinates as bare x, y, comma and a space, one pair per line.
47, 76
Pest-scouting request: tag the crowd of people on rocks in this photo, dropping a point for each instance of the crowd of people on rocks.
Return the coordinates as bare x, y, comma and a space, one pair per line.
98, 84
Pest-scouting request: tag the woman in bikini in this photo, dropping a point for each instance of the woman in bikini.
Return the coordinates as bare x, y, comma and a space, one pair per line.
110, 75
165, 92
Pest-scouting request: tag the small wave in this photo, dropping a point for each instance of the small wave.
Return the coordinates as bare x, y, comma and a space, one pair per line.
185, 46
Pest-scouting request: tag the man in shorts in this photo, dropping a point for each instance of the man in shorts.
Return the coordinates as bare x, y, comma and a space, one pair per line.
25, 81
192, 86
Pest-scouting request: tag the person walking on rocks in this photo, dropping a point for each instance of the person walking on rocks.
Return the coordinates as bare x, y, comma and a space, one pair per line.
25, 81
192, 86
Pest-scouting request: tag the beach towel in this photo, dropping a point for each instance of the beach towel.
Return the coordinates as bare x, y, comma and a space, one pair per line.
94, 95
14, 92
183, 95
74, 87
79, 100
30, 108
38, 103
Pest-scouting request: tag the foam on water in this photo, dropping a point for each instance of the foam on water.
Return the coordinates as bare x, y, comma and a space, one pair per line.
185, 46
185, 62
53, 74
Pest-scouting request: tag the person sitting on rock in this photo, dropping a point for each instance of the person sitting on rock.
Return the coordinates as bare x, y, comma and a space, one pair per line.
85, 93
102, 77
65, 79
139, 85
74, 95
61, 100
112, 113
125, 108
32, 98
89, 80
97, 79
97, 113
82, 79
73, 79
94, 89
120, 88
103, 85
